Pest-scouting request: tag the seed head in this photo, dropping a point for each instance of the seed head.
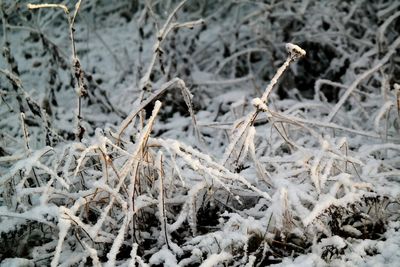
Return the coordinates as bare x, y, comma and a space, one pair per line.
295, 51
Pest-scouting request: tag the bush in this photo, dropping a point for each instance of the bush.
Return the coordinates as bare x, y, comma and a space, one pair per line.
141, 133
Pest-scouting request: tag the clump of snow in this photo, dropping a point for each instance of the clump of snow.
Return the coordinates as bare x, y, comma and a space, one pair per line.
295, 51
164, 257
215, 259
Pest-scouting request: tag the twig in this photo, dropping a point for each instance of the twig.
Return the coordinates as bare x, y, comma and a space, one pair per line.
78, 72
161, 205
366, 74
161, 35
294, 53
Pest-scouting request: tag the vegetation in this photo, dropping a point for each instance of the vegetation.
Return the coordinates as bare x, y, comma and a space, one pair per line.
200, 133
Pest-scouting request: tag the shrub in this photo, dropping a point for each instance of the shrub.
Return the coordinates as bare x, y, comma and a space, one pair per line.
149, 140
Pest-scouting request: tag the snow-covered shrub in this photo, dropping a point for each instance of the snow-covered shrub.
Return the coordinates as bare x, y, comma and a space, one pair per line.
199, 132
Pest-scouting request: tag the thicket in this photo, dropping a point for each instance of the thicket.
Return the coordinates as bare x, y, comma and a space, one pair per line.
166, 133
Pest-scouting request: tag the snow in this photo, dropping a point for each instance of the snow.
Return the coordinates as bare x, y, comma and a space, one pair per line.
308, 260
295, 51
164, 257
117, 243
351, 230
214, 259
17, 262
259, 104
219, 133
384, 253
63, 226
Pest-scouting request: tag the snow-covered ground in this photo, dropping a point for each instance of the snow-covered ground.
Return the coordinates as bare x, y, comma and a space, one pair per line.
200, 133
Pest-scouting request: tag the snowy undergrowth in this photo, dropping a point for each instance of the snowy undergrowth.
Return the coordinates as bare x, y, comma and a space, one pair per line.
200, 137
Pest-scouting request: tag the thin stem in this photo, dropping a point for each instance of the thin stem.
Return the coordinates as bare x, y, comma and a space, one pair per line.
249, 121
